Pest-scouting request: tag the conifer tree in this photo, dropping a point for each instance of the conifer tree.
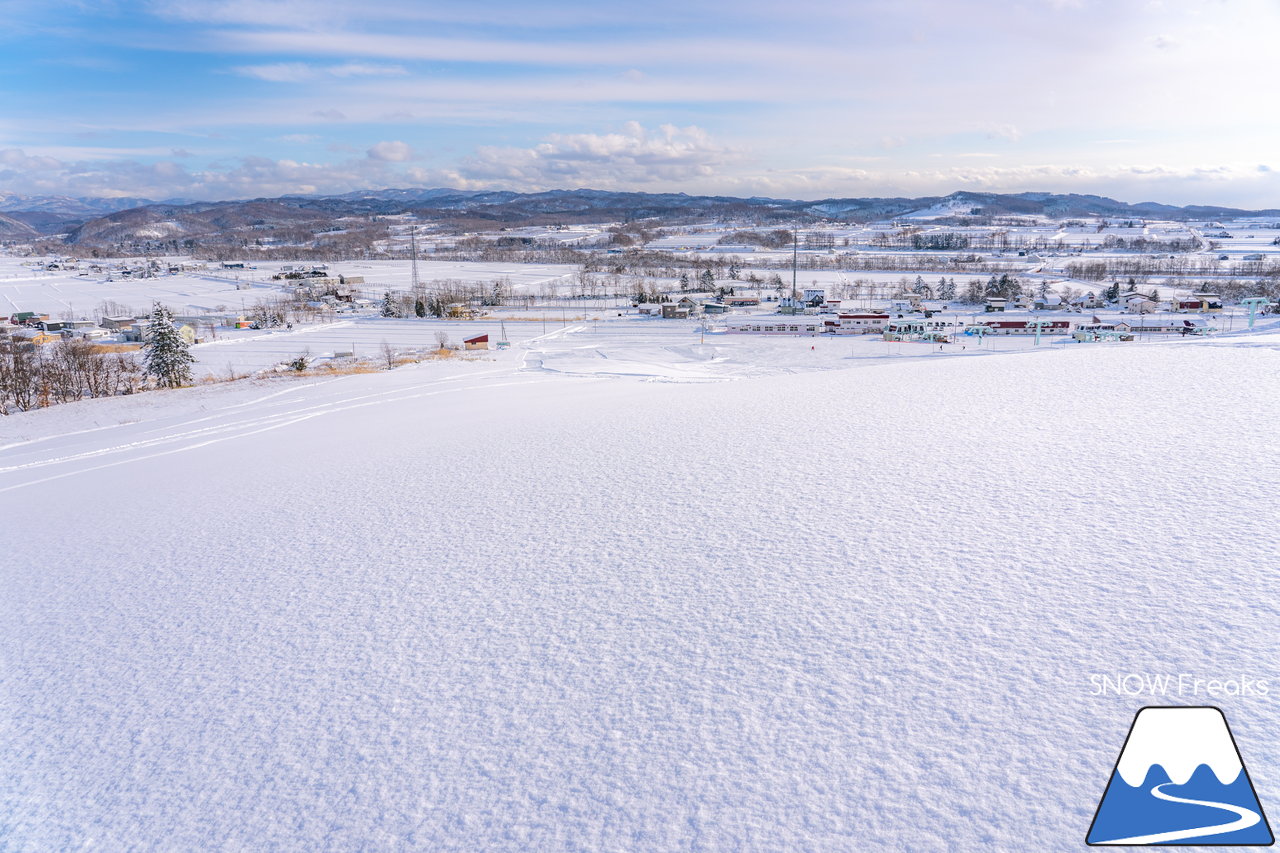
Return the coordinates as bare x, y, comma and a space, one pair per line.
166, 356
389, 306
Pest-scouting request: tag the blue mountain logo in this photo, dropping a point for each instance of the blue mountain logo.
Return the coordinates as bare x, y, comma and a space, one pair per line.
1180, 780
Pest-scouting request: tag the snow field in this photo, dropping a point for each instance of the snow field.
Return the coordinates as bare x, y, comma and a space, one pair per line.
839, 610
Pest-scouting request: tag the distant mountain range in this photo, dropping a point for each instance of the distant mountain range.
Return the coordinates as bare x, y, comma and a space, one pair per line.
114, 220
67, 206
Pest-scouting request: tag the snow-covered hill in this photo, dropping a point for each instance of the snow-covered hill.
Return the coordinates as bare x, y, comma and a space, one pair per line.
467, 606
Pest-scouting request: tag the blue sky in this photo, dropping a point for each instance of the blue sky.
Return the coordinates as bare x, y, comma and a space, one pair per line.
1136, 99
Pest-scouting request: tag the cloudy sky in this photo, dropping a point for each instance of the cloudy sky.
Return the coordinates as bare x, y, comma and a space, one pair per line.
1161, 100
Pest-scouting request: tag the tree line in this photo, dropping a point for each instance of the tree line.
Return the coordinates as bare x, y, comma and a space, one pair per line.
33, 376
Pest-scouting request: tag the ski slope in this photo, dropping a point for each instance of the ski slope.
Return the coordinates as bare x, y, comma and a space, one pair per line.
495, 605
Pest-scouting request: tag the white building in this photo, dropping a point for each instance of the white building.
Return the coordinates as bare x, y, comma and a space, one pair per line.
777, 325
857, 324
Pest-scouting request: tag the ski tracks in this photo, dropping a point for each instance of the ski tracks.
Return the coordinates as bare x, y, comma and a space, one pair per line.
105, 447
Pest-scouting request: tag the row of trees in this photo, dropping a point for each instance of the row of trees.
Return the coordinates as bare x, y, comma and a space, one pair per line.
33, 376
433, 299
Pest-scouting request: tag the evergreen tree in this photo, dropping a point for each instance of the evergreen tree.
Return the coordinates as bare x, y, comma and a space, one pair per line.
389, 306
166, 356
684, 281
707, 281
419, 308
734, 271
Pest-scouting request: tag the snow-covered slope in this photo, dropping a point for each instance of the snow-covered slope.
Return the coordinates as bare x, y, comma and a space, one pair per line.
468, 607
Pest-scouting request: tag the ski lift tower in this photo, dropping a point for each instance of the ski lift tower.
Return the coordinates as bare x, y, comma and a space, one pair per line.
1038, 324
1254, 303
977, 329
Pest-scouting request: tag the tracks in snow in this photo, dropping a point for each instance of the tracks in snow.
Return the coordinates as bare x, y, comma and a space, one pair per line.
41, 460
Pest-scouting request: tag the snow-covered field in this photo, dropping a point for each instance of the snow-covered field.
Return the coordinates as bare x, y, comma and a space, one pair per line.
23, 288
529, 602
591, 342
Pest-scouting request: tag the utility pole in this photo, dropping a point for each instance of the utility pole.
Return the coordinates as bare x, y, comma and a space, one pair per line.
795, 262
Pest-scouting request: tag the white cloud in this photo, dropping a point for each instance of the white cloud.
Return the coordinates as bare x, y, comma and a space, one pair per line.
363, 69
280, 72
1004, 131
301, 72
391, 152
17, 160
667, 158
633, 156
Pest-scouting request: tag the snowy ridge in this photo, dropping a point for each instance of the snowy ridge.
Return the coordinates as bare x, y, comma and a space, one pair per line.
1179, 740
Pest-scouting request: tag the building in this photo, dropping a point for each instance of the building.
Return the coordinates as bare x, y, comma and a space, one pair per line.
1200, 302
1021, 327
1172, 326
996, 304
1136, 303
37, 337
675, 310
118, 324
916, 330
478, 342
777, 326
858, 324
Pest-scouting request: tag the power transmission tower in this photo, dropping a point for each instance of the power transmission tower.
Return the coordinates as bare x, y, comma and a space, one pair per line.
413, 252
